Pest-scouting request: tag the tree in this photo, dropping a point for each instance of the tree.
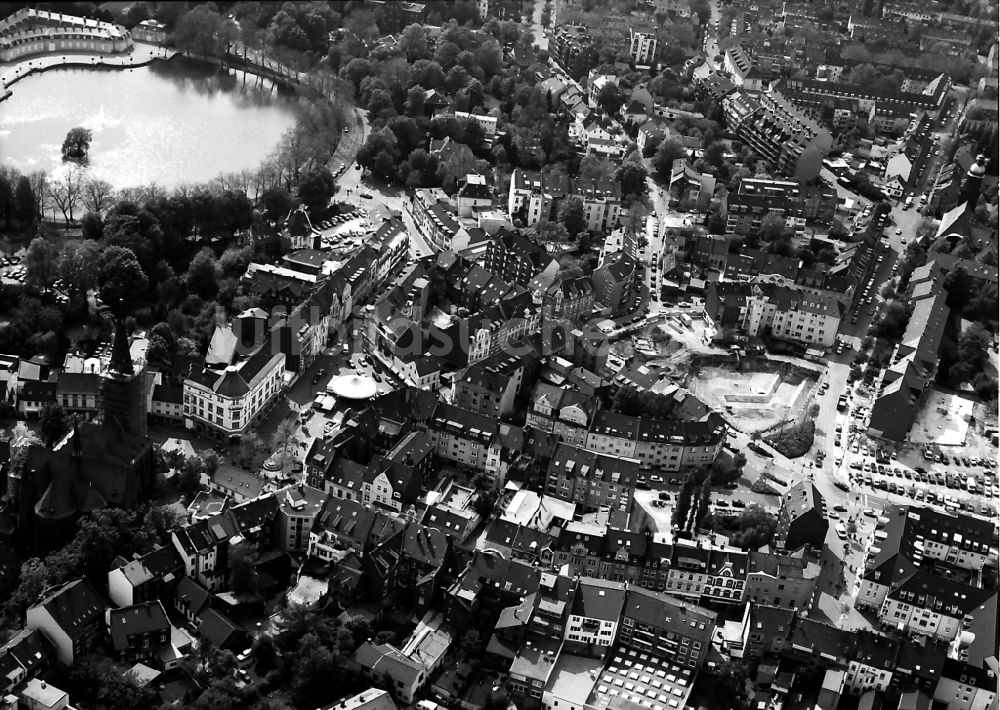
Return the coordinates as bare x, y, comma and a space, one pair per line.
632, 177
731, 684
595, 168
277, 203
97, 195
201, 279
755, 528
41, 263
77, 266
52, 424
571, 215
380, 154
704, 500
666, 153
608, 99
472, 643
77, 144
415, 99
683, 506
243, 577
252, 447
311, 673
120, 279
66, 191
25, 203
772, 227
283, 442
316, 188
199, 31
92, 226
413, 43
189, 478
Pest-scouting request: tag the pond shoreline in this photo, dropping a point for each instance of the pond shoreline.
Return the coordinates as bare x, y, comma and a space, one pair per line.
40, 63
149, 53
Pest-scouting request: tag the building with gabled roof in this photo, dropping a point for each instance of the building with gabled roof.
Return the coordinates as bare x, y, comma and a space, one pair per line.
802, 518
653, 622
592, 626
237, 484
779, 579
145, 578
912, 367
138, 632
70, 617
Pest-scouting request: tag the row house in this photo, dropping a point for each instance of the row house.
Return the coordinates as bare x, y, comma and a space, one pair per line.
778, 131
563, 300
912, 364
394, 480
516, 259
594, 617
435, 216
938, 607
470, 440
592, 480
771, 305
486, 391
535, 197
756, 198
781, 580
652, 622
145, 578
139, 633
663, 445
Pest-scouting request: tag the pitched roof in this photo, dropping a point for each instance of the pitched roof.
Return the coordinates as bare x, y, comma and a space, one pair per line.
74, 607
599, 599
136, 619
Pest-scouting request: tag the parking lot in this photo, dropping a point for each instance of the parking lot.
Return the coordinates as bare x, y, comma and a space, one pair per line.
11, 270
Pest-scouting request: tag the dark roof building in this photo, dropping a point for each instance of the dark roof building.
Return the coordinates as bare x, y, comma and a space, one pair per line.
802, 518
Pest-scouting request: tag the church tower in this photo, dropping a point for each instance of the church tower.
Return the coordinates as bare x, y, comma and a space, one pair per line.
123, 389
972, 185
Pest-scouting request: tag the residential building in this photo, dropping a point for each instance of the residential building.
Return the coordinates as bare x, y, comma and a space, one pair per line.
802, 518
642, 45
516, 259
781, 580
778, 131
690, 189
592, 626
145, 578
71, 618
742, 70
298, 509
406, 670
771, 305
534, 197
652, 622
139, 632
756, 198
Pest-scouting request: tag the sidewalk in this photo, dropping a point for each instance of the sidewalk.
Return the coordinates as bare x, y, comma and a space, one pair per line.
140, 55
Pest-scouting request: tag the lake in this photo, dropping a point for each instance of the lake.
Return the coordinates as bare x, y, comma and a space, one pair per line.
170, 123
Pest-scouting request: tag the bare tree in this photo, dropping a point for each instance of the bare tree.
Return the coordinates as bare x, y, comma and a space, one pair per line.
39, 188
98, 195
66, 191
